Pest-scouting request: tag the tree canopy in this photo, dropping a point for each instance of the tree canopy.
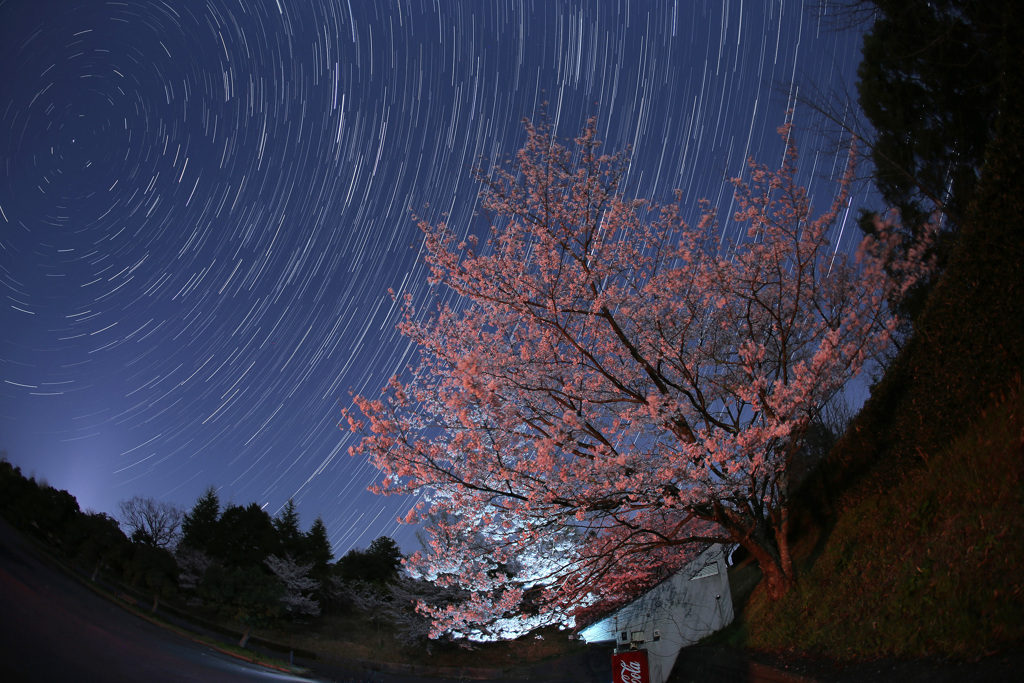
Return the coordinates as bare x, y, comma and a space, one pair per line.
152, 522
289, 535
378, 564
199, 525
929, 83
618, 386
316, 546
245, 536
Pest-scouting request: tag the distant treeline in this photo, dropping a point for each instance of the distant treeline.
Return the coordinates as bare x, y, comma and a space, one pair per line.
236, 563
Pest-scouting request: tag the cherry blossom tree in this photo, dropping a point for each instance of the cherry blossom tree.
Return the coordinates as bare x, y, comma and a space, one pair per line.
298, 585
615, 388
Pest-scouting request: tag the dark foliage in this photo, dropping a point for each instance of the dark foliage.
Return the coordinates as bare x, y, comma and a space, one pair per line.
289, 536
316, 546
249, 595
95, 541
968, 345
379, 564
35, 507
245, 536
199, 525
153, 570
930, 83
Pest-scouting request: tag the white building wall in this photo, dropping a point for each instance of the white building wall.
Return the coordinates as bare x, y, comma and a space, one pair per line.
681, 610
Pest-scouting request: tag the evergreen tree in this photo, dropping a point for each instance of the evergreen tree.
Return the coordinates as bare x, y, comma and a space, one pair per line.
930, 83
289, 535
318, 547
378, 564
199, 526
245, 536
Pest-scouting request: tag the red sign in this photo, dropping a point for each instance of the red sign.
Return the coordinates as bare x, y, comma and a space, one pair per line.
630, 667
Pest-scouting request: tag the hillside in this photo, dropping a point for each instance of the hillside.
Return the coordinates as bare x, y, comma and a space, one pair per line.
910, 532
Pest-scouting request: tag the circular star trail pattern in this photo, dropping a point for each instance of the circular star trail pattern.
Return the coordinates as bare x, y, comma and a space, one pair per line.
203, 206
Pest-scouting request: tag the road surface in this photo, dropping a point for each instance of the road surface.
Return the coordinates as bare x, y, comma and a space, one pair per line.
52, 628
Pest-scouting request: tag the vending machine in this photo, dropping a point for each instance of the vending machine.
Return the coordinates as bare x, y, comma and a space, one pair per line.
630, 667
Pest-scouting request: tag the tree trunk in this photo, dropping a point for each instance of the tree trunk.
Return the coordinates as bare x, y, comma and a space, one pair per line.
777, 579
777, 582
156, 602
245, 637
785, 557
767, 543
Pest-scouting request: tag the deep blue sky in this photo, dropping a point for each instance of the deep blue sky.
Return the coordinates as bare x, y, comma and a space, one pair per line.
203, 205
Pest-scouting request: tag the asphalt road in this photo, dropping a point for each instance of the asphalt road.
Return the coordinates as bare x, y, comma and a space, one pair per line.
52, 628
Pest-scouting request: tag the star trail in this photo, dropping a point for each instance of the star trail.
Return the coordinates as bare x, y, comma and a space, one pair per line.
204, 205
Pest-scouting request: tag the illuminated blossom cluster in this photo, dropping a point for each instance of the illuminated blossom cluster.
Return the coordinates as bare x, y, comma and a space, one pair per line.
622, 387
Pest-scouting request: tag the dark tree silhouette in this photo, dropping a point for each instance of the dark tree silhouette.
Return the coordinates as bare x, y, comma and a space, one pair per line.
199, 525
378, 564
929, 84
317, 546
95, 540
245, 536
153, 570
289, 535
248, 594
151, 522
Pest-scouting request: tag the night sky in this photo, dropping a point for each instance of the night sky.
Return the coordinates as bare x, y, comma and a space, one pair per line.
203, 205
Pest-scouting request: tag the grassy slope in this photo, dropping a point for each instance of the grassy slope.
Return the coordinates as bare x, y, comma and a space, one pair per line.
911, 533
930, 566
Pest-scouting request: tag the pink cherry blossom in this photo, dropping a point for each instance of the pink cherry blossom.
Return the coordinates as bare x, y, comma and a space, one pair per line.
621, 387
